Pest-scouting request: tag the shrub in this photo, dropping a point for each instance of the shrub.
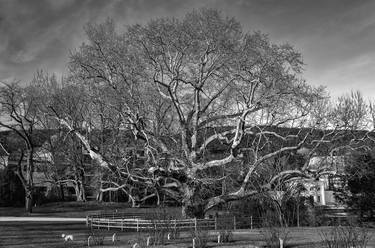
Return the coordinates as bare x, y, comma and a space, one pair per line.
97, 238
140, 240
273, 231
226, 236
163, 223
345, 237
201, 238
272, 235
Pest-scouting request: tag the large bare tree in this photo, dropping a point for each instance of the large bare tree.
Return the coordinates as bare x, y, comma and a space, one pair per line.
210, 103
215, 75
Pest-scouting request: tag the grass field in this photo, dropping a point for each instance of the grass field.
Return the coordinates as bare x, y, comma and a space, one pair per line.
47, 234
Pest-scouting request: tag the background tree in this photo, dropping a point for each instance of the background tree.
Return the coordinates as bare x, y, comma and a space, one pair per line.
358, 188
19, 110
11, 190
351, 112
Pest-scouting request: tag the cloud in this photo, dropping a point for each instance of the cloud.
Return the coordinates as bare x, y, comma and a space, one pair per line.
39, 34
334, 36
23, 56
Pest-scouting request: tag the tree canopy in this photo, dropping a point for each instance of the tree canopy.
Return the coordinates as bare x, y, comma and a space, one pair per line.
171, 79
181, 86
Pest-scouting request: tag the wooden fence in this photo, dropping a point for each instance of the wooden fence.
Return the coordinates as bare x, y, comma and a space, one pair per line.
117, 221
127, 222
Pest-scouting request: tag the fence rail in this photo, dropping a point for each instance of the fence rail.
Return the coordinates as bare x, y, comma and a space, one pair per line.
144, 222
137, 223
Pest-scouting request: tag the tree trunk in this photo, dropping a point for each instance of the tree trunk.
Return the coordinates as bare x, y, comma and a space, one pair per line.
29, 199
298, 202
99, 195
62, 196
280, 214
192, 204
77, 191
80, 191
158, 198
29, 182
83, 192
193, 210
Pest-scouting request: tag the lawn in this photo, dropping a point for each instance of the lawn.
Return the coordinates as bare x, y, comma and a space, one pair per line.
31, 234
48, 234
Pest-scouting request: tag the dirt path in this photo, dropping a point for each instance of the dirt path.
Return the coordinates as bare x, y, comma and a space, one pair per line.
40, 219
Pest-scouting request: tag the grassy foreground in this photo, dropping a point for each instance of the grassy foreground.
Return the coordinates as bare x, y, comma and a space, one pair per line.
47, 234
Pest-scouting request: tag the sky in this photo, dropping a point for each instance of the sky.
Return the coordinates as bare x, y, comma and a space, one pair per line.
335, 37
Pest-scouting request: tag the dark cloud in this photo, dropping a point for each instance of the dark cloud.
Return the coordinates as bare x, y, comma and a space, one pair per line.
335, 36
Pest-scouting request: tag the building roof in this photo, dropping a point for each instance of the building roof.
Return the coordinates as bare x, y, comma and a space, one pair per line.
335, 163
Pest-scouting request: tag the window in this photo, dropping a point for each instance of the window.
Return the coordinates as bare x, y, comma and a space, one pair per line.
334, 183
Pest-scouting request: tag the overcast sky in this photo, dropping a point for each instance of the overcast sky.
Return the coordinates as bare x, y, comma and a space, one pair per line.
336, 37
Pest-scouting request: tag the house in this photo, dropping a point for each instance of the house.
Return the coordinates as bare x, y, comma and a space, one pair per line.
55, 176
42, 178
323, 189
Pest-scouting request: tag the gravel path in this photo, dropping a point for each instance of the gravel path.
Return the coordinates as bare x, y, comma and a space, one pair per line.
40, 219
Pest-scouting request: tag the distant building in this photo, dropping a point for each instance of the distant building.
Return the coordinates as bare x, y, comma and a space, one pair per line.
323, 189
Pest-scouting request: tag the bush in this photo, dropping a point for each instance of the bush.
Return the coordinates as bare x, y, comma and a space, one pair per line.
273, 231
272, 235
97, 238
226, 236
201, 238
345, 237
163, 224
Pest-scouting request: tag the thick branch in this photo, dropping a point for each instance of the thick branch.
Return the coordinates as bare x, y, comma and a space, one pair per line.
94, 155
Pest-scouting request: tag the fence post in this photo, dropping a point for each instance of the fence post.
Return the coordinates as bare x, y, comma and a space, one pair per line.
148, 241
251, 222
87, 221
122, 224
88, 241
215, 223
108, 224
195, 224
234, 222
137, 225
